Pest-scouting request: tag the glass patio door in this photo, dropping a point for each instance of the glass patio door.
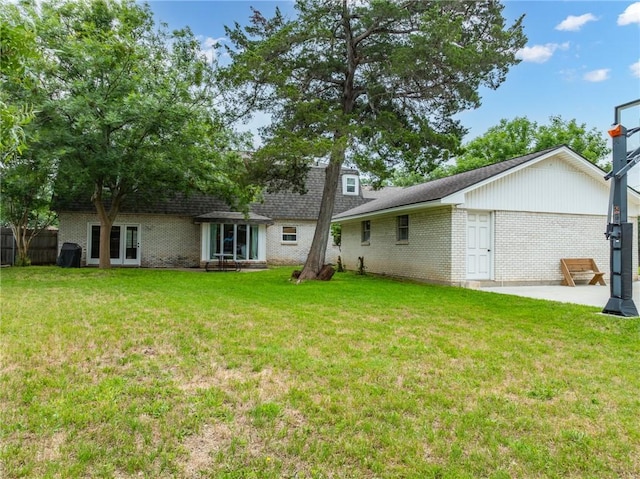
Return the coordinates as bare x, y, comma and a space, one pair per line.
131, 246
234, 241
124, 245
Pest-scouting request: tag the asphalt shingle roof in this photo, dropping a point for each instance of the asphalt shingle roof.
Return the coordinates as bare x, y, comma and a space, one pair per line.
281, 205
440, 188
286, 205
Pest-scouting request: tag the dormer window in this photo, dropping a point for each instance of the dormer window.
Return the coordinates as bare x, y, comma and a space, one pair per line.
350, 185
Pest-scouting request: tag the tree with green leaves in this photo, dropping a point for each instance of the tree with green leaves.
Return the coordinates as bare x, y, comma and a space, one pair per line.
513, 138
133, 107
26, 168
373, 83
520, 136
26, 190
18, 50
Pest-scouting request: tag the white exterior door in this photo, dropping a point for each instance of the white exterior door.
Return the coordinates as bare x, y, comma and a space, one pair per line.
124, 243
479, 243
131, 245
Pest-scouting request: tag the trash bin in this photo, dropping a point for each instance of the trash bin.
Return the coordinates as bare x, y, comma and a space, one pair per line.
70, 255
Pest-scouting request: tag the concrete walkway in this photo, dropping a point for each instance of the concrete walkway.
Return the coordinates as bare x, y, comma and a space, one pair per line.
581, 294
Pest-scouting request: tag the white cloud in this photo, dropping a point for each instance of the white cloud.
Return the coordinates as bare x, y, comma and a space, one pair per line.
595, 76
573, 23
209, 49
630, 15
635, 69
540, 53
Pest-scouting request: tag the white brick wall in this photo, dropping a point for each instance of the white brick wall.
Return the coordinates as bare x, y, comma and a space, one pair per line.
426, 256
73, 229
169, 241
281, 253
459, 241
527, 246
165, 241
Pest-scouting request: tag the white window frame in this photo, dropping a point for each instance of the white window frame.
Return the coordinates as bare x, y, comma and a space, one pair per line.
290, 233
205, 252
122, 259
350, 181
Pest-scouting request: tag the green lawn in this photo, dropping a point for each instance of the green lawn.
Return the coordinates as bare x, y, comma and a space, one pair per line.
143, 373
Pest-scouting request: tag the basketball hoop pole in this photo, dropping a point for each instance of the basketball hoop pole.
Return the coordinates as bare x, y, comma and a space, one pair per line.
619, 230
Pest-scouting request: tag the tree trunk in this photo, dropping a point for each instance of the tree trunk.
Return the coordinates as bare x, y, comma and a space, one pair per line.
105, 243
317, 253
318, 250
22, 235
23, 241
107, 219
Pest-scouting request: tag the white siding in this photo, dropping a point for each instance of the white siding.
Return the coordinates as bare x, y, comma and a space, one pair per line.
551, 186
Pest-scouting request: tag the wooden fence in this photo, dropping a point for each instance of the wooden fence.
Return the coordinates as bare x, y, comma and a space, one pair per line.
43, 250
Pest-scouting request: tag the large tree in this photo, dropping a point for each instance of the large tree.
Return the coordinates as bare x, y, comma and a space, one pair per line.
374, 83
132, 105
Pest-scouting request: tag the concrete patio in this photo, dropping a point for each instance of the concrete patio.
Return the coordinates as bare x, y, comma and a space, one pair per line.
580, 294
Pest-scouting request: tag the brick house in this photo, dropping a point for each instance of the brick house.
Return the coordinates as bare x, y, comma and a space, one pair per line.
191, 231
507, 223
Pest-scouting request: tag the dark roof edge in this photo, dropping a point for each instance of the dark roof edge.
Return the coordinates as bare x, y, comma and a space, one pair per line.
443, 187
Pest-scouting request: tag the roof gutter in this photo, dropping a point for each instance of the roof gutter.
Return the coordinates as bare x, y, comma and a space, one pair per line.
397, 210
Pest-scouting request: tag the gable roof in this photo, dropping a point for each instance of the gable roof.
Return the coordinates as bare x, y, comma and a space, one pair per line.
442, 188
280, 205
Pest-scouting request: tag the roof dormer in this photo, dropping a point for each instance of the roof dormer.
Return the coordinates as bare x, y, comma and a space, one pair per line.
350, 185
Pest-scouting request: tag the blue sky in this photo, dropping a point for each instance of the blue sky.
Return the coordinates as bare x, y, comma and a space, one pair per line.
582, 58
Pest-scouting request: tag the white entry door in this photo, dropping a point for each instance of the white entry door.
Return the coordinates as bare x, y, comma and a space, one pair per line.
130, 251
124, 243
479, 241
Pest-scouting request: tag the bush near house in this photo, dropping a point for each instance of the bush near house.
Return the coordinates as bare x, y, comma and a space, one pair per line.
133, 372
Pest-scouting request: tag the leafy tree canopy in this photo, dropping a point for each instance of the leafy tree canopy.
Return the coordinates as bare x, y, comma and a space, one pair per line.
17, 50
513, 138
520, 136
133, 108
372, 83
26, 166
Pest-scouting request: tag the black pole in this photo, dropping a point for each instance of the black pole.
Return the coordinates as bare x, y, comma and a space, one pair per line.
619, 230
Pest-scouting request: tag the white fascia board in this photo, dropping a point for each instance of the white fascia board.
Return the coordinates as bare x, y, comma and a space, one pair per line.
392, 211
456, 198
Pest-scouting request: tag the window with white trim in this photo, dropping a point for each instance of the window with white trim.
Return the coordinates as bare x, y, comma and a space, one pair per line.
350, 185
238, 241
289, 234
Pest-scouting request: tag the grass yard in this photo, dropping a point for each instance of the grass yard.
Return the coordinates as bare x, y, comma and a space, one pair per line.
158, 374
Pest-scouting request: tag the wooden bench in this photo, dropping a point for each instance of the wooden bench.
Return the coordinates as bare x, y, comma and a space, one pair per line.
575, 266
